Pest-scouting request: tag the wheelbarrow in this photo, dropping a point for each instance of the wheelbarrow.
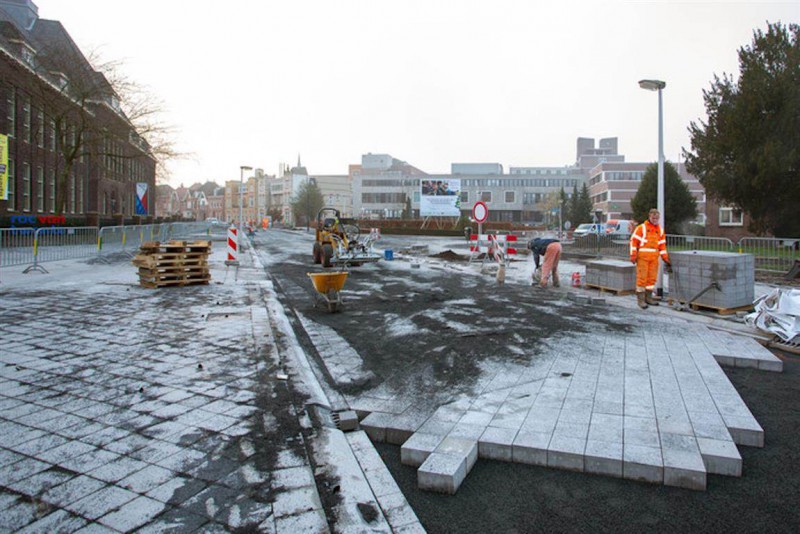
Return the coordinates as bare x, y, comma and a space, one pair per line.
328, 287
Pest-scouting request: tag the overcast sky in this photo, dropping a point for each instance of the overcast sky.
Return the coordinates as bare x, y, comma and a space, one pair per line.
431, 82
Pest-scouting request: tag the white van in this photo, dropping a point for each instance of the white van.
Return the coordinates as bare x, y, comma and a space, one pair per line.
620, 227
589, 228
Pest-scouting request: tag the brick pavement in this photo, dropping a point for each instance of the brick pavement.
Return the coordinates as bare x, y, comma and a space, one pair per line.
123, 408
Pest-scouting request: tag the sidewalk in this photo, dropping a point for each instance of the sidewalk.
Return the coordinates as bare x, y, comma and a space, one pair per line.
171, 410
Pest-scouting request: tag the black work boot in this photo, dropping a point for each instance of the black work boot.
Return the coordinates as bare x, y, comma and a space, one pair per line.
640, 298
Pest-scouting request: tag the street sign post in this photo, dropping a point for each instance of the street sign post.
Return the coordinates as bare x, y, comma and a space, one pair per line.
480, 213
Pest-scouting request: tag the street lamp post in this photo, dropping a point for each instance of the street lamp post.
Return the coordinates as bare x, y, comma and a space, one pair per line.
658, 85
241, 194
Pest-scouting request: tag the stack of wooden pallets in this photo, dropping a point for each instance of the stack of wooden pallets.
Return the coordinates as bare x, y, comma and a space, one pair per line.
176, 263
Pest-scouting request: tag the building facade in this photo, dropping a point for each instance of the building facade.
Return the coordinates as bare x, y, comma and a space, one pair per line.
72, 152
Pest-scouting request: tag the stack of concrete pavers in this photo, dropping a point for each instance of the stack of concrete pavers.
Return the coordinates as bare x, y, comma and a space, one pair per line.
697, 270
615, 275
651, 406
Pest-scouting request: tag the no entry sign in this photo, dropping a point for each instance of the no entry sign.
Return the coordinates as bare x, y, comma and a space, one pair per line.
480, 212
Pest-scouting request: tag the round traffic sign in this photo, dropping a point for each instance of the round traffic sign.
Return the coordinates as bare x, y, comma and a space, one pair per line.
480, 212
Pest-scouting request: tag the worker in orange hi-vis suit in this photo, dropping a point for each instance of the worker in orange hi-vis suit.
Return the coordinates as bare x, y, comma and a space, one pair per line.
648, 244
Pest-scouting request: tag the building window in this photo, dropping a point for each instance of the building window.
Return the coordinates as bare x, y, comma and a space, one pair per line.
40, 128
486, 196
52, 135
510, 197
26, 187
26, 120
51, 186
465, 197
730, 216
11, 204
11, 99
39, 189
72, 192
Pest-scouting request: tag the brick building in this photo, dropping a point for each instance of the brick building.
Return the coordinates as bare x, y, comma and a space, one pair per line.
72, 151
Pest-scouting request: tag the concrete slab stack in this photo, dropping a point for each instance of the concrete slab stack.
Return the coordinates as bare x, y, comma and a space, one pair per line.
695, 271
615, 275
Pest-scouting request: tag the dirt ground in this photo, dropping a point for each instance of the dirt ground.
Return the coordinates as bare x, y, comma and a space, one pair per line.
438, 349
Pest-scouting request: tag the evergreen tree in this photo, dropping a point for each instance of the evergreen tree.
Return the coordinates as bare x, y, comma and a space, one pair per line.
747, 154
582, 206
679, 204
572, 207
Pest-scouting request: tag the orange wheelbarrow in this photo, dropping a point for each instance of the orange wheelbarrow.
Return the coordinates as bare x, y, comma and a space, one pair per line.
328, 287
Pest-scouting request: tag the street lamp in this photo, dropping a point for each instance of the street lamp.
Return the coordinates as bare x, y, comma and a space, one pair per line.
241, 193
658, 85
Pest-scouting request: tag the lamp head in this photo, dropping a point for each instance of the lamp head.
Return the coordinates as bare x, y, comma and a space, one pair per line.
652, 85
246, 168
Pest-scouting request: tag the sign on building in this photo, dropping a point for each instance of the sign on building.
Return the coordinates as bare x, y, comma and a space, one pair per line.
440, 198
141, 198
3, 167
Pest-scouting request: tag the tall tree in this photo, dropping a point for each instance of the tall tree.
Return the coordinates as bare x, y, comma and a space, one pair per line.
581, 211
307, 202
572, 208
679, 204
747, 154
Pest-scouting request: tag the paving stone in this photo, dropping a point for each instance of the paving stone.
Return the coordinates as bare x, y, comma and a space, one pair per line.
117, 469
531, 447
603, 458
721, 457
564, 452
459, 447
130, 516
296, 501
311, 521
177, 490
58, 521
442, 473
375, 426
497, 444
642, 463
683, 465
174, 520
146, 479
101, 502
22, 469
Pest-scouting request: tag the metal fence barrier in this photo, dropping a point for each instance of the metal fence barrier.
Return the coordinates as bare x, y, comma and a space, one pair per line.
772, 255
34, 246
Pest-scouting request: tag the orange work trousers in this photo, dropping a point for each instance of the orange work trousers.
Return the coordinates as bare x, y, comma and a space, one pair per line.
646, 271
551, 256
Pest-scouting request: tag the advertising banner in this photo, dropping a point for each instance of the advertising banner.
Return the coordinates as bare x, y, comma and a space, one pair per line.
3, 167
141, 198
440, 198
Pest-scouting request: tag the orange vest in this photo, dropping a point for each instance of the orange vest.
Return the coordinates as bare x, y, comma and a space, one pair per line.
649, 240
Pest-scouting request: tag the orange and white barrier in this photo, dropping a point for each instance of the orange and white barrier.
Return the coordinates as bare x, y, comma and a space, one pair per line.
233, 246
481, 242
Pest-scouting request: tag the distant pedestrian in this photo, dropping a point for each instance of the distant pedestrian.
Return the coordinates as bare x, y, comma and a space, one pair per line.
648, 244
551, 250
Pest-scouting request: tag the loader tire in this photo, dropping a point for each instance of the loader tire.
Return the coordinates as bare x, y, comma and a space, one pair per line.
317, 253
327, 254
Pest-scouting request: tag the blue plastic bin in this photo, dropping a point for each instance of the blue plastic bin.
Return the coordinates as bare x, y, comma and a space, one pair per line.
388, 254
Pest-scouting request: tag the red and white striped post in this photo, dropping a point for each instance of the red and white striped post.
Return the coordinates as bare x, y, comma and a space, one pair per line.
233, 246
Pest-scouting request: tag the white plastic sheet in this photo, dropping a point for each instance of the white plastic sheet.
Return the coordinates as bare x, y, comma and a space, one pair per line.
777, 312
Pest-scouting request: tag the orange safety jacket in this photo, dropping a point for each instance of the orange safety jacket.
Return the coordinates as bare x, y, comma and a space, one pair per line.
649, 240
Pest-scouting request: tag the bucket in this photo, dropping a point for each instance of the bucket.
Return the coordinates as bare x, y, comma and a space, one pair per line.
388, 254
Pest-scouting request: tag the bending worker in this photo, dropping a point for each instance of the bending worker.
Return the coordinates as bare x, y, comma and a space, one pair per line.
551, 250
648, 244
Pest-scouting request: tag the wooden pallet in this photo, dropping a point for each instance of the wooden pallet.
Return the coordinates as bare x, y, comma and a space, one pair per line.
166, 283
611, 290
718, 309
792, 346
176, 263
